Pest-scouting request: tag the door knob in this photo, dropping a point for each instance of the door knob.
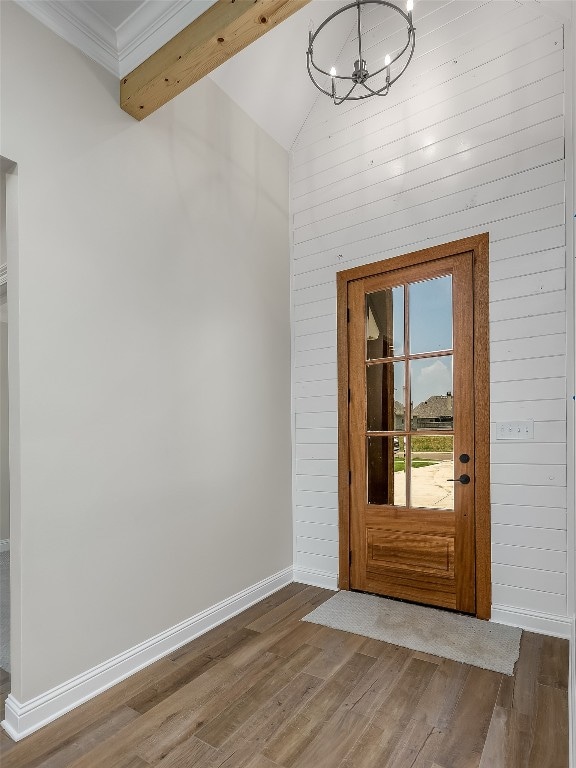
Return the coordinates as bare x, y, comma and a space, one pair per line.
464, 479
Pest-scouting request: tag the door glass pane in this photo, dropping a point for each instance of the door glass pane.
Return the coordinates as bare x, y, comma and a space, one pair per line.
386, 470
431, 315
385, 323
431, 468
431, 393
385, 385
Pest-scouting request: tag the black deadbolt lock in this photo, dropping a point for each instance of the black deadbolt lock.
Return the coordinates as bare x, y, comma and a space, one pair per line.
464, 458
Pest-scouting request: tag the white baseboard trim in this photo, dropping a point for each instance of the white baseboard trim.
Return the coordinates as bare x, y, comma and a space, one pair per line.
543, 623
4, 545
23, 718
316, 578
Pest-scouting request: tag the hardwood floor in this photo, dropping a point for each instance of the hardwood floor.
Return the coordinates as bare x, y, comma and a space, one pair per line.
264, 690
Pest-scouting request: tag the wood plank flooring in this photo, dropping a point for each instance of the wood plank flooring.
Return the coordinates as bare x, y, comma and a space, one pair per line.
265, 690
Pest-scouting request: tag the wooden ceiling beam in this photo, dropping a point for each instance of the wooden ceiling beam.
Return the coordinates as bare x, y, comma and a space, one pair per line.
219, 33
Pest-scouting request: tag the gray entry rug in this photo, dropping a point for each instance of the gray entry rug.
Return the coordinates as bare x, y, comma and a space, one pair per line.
441, 633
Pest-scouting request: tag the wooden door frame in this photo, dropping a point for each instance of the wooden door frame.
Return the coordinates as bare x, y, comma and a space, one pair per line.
478, 246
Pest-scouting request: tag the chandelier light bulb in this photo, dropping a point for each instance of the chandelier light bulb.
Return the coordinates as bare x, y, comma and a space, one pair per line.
410, 6
333, 72
387, 65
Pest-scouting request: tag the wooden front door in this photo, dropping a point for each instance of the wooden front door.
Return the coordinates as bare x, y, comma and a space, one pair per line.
411, 430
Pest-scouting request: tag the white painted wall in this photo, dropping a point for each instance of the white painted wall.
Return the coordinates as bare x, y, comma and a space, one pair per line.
154, 345
470, 140
4, 465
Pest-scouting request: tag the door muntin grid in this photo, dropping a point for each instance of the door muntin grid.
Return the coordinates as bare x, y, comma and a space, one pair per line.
409, 395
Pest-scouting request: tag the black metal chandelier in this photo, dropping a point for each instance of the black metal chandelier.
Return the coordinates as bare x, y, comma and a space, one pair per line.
376, 83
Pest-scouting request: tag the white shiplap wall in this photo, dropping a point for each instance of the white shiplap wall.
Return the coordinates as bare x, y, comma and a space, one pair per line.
470, 140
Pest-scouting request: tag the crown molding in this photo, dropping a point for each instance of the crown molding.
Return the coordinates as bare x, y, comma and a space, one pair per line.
151, 26
78, 25
118, 50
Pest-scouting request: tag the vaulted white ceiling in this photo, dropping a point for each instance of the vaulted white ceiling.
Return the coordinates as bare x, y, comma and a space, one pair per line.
113, 12
268, 79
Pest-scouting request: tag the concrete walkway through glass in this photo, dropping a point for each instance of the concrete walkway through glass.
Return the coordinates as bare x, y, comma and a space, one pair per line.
430, 486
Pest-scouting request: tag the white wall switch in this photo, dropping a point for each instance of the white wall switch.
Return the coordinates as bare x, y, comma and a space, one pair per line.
514, 430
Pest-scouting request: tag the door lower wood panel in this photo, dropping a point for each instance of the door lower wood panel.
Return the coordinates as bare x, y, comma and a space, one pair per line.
411, 553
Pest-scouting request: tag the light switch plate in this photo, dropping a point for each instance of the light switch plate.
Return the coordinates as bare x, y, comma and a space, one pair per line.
514, 430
